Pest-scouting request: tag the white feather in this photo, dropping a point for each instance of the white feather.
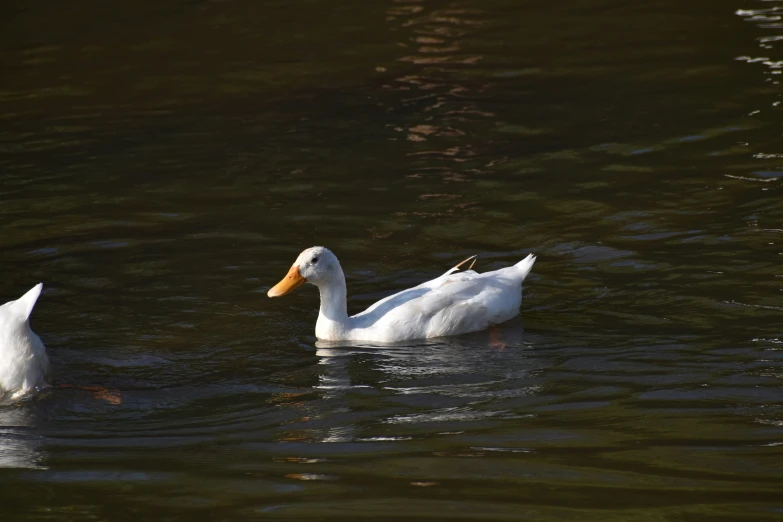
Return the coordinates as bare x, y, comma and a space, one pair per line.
24, 366
452, 304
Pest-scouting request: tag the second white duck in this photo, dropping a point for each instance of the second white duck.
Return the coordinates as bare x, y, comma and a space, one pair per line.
454, 303
24, 366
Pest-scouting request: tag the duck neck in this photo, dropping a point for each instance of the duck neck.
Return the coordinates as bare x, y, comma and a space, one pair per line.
333, 315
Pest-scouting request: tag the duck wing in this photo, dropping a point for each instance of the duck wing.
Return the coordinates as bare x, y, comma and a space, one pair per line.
454, 303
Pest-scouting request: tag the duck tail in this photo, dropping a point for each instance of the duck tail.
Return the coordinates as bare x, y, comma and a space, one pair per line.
23, 306
525, 266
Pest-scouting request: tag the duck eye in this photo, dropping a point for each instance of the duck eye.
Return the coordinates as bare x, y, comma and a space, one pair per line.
314, 260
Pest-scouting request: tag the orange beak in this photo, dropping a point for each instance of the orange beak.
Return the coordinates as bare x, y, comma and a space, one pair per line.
292, 279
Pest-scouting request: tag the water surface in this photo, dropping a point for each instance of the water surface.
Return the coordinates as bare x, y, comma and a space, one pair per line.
163, 163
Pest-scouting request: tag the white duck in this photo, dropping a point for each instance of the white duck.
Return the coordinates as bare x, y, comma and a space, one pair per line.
24, 366
454, 303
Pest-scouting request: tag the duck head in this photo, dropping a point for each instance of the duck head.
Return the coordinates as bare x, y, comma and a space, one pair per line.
316, 265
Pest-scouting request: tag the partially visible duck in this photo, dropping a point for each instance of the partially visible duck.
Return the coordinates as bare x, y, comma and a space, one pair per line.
24, 366
454, 303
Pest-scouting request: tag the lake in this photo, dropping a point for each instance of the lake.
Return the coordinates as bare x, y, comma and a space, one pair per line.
163, 163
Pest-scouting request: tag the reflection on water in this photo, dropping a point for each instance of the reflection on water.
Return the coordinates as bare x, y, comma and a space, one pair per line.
20, 440
437, 97
159, 168
475, 384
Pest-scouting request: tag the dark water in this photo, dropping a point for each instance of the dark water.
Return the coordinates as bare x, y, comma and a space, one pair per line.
164, 162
